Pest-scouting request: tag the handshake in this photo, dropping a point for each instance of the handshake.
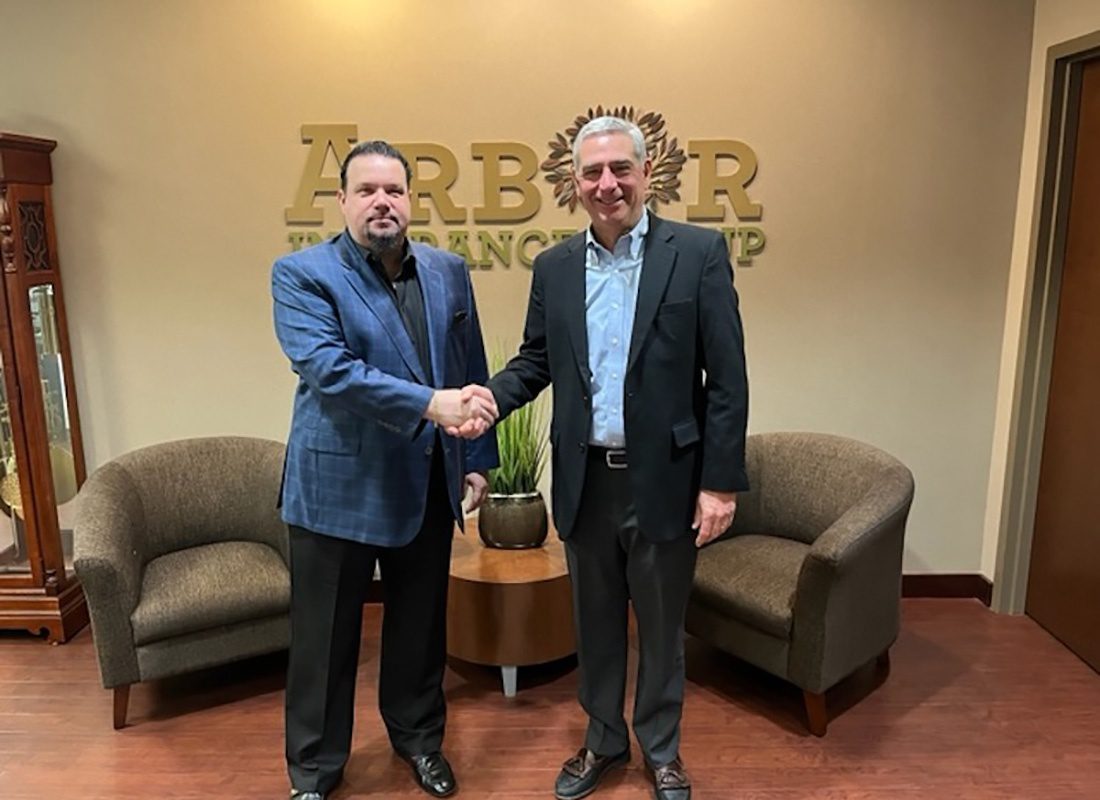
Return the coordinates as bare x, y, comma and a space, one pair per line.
467, 412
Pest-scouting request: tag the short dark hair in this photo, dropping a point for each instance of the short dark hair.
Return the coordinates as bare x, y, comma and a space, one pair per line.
375, 147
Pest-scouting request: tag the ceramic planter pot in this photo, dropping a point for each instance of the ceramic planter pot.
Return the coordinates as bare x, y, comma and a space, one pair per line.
513, 521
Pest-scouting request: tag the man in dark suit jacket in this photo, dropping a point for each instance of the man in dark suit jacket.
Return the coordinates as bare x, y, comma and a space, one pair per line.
636, 324
375, 327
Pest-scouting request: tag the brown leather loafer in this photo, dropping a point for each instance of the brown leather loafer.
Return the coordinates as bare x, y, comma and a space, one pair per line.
671, 781
581, 774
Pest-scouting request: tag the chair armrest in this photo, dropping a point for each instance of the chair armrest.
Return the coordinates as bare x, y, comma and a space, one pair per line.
278, 537
108, 558
258, 500
268, 526
847, 601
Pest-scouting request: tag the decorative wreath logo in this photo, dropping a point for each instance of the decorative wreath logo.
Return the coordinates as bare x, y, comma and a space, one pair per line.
665, 154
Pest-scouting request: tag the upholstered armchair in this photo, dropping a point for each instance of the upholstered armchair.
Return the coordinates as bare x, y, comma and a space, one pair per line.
183, 559
807, 582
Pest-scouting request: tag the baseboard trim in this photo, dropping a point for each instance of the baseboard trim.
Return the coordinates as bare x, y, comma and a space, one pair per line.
956, 585
960, 585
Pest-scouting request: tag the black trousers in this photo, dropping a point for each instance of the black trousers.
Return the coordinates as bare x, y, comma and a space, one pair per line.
611, 565
329, 578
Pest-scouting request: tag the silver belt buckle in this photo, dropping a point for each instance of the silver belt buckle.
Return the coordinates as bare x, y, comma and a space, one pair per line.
615, 459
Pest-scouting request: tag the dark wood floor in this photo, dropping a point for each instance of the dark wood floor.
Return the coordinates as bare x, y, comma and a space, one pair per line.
976, 705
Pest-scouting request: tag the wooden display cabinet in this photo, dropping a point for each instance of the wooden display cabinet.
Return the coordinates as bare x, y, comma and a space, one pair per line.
41, 452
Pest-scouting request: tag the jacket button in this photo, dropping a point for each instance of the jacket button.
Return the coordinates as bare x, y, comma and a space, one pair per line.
582, 446
428, 450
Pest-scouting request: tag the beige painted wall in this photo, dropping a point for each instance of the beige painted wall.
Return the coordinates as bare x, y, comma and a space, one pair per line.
1056, 21
889, 141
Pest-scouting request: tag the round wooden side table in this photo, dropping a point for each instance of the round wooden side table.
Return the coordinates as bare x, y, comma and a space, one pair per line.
509, 608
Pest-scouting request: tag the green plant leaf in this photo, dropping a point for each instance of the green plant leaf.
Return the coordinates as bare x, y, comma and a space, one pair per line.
521, 440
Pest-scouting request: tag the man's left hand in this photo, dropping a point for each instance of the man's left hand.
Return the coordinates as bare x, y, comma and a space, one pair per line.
713, 515
477, 489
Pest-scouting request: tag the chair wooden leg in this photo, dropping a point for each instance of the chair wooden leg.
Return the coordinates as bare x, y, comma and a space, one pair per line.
817, 717
122, 702
883, 660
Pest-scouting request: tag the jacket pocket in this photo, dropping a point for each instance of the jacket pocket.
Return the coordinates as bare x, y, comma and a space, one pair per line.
331, 441
685, 432
676, 306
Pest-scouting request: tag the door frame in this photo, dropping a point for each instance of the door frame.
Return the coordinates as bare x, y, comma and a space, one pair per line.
1046, 256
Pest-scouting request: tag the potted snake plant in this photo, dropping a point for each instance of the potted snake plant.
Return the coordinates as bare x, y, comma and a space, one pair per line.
513, 517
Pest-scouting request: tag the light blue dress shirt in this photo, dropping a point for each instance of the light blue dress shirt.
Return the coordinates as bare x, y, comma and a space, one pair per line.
610, 297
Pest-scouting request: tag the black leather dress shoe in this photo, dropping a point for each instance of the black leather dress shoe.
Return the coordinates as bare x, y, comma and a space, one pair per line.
580, 775
671, 781
433, 774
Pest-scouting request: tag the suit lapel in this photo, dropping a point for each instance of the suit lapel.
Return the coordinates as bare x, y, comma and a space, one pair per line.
434, 291
369, 287
660, 255
574, 296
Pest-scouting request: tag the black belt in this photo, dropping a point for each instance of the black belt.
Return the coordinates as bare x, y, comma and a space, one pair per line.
612, 457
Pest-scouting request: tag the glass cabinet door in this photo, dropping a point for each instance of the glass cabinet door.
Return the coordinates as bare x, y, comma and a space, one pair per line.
52, 381
13, 529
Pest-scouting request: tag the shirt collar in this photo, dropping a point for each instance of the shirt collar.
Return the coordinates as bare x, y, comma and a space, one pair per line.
635, 236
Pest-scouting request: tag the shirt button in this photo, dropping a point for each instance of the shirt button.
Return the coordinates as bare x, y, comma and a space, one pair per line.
614, 340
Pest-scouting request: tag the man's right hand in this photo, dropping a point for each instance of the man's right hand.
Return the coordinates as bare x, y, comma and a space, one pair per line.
467, 412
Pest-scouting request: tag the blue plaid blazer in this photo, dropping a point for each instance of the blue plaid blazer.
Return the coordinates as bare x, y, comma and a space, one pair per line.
359, 452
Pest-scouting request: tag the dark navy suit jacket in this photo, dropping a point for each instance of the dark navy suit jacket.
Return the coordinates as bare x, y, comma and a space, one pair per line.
685, 393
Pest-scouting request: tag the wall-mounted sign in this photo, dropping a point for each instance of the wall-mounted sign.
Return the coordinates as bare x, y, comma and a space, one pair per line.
502, 230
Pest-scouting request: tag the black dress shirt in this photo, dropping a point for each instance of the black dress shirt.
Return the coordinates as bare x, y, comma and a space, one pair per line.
405, 291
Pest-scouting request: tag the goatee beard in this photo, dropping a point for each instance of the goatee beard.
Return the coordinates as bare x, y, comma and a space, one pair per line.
380, 244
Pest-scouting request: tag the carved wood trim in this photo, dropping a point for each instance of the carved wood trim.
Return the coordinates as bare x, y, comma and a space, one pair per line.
7, 239
32, 225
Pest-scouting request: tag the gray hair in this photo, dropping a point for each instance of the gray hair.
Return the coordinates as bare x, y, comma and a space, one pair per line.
609, 125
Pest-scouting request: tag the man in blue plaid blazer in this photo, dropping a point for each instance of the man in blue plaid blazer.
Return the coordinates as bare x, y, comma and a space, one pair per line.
382, 333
